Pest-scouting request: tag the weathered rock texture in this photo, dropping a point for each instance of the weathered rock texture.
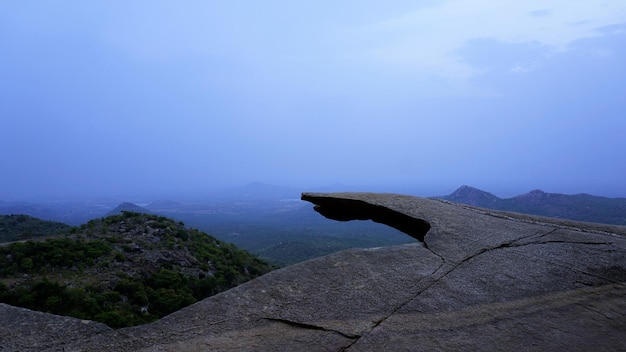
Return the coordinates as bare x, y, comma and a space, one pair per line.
480, 280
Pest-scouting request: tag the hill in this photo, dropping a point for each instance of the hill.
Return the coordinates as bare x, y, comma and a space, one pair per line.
122, 270
581, 207
19, 227
473, 196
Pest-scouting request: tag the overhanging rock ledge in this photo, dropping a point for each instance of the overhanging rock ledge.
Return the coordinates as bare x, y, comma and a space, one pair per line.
346, 209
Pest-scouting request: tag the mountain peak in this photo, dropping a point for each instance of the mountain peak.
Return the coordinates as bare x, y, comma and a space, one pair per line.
466, 189
472, 196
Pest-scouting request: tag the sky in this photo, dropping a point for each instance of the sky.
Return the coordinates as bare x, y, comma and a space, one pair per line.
166, 98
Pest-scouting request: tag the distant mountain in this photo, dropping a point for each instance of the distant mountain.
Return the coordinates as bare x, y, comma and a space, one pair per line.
473, 196
130, 207
582, 207
20, 227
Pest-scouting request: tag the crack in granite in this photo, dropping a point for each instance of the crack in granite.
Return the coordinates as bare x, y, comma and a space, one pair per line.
301, 325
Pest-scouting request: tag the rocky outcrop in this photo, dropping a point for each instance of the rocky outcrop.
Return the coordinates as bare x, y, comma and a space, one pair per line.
479, 280
22, 329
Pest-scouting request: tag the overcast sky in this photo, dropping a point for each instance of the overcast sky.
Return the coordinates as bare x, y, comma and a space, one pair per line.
177, 97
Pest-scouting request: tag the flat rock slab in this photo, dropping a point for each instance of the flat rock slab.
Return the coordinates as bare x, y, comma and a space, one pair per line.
476, 280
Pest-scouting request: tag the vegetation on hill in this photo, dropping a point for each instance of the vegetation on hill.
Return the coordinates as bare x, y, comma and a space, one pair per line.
122, 270
19, 227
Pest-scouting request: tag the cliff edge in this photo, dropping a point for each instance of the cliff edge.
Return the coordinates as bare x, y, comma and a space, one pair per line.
479, 279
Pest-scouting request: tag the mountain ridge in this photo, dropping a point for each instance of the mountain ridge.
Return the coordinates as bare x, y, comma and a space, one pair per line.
581, 206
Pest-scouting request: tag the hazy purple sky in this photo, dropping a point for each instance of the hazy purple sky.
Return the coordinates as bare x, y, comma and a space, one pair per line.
177, 97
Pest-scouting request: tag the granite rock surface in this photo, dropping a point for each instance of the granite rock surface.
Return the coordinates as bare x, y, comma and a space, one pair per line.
476, 280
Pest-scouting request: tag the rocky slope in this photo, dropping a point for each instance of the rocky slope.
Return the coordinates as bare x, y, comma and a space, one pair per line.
477, 280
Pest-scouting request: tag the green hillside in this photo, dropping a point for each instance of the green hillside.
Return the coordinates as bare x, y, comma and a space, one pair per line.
19, 227
122, 270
